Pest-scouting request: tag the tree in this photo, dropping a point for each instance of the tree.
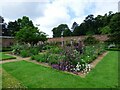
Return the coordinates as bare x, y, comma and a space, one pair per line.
105, 30
3, 27
114, 36
80, 30
15, 26
30, 35
74, 26
58, 30
90, 24
25, 22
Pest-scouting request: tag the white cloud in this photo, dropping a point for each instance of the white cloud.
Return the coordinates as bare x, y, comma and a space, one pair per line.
51, 13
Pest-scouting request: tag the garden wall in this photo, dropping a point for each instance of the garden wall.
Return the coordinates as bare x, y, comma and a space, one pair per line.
77, 38
6, 41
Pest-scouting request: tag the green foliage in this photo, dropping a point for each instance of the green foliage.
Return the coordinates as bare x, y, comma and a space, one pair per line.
42, 57
90, 40
34, 51
30, 35
24, 50
17, 47
105, 30
4, 49
114, 36
47, 47
55, 50
91, 52
13, 27
24, 53
48, 58
58, 30
55, 59
90, 26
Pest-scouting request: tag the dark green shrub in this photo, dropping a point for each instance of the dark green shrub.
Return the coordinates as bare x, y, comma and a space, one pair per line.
4, 49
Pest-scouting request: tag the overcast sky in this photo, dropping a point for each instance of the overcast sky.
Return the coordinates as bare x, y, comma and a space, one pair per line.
51, 13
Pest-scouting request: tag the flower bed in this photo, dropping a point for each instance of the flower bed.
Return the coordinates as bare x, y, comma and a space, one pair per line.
69, 59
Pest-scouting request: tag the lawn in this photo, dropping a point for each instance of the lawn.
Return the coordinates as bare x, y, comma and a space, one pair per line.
3, 56
104, 75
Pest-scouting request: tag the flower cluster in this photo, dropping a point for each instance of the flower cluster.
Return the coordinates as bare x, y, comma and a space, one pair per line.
85, 68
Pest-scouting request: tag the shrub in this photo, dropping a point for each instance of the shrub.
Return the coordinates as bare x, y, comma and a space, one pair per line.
90, 40
56, 50
53, 59
4, 49
33, 57
24, 53
33, 51
16, 48
40, 57
47, 47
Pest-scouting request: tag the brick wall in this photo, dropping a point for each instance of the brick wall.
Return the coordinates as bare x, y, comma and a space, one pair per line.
77, 38
7, 42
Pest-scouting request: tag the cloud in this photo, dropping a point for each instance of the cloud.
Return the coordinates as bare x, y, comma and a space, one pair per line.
17, 9
51, 13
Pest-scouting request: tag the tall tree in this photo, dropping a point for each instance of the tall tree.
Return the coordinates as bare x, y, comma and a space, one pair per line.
58, 30
89, 22
3, 27
15, 26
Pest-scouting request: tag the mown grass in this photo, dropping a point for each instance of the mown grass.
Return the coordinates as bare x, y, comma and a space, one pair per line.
104, 75
9, 81
3, 56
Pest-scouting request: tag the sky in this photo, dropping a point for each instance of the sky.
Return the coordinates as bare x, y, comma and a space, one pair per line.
51, 13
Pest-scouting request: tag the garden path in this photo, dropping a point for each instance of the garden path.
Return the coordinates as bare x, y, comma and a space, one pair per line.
18, 58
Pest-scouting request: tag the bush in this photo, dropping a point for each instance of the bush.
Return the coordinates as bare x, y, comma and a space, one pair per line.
90, 40
40, 57
48, 47
24, 53
16, 48
33, 51
56, 50
53, 59
4, 49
